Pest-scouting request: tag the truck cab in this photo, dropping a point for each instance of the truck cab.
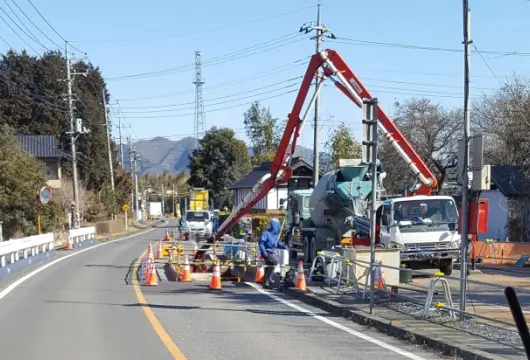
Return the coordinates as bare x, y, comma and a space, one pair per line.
198, 223
424, 228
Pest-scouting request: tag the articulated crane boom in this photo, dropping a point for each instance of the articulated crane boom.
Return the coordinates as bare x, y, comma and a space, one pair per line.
343, 77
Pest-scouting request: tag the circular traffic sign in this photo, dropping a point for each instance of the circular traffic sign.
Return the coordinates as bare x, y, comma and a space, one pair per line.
45, 195
125, 207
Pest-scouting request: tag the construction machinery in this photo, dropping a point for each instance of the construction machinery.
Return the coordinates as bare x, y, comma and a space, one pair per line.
335, 187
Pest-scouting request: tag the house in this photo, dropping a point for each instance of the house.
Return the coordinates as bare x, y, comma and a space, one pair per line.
509, 203
44, 148
302, 178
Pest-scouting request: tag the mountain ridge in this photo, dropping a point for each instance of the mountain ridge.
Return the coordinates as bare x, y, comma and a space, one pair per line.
160, 154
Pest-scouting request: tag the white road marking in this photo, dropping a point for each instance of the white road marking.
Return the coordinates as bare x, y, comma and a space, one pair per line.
337, 325
16, 283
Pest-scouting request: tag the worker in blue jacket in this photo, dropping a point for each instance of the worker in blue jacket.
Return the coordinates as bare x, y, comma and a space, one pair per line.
268, 242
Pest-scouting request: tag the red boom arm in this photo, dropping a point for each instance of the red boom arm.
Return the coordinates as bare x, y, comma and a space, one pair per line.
334, 67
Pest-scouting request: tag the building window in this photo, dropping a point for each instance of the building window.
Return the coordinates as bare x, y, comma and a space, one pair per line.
51, 169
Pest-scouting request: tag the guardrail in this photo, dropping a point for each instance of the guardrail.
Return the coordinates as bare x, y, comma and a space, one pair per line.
81, 237
19, 253
429, 301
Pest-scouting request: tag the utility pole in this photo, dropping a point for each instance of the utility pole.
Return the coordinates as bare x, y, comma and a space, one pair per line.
108, 138
136, 157
121, 142
163, 200
76, 129
131, 165
320, 30
465, 178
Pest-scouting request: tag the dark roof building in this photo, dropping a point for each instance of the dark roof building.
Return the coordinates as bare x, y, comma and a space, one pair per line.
511, 180
301, 169
41, 146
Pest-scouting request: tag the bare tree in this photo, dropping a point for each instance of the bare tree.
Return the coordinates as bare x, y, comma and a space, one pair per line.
504, 119
432, 131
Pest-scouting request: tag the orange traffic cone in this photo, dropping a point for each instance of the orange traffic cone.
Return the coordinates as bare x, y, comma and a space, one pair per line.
166, 237
159, 251
260, 271
149, 250
153, 278
69, 244
300, 277
185, 274
379, 276
147, 267
215, 283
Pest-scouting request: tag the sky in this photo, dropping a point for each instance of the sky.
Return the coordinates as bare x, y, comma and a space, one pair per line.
254, 51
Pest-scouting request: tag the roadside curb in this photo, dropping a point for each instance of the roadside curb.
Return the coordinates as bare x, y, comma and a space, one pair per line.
395, 329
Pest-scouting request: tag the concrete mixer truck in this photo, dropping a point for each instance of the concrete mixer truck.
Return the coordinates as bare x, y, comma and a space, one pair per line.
424, 228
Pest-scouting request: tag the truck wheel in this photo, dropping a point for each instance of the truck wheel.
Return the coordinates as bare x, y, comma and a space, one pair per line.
313, 251
447, 268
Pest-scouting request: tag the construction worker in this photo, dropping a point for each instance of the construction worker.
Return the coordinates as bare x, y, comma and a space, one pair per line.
268, 242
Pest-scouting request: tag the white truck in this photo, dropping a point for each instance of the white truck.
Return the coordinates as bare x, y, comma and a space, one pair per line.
155, 210
198, 224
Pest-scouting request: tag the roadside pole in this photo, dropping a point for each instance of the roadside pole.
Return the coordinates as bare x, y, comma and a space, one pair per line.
369, 156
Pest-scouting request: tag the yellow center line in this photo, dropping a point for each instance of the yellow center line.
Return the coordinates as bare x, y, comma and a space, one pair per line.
159, 329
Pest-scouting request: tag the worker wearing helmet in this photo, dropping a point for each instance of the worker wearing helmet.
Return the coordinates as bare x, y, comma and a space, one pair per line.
268, 242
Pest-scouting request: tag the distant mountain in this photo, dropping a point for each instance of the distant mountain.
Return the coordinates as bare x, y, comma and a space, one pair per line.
160, 155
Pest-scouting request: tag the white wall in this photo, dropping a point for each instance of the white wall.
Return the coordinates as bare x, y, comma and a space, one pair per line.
274, 196
497, 217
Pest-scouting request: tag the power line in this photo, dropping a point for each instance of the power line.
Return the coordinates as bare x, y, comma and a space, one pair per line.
51, 27
214, 104
220, 97
30, 35
37, 27
18, 35
258, 75
200, 31
421, 47
236, 55
213, 110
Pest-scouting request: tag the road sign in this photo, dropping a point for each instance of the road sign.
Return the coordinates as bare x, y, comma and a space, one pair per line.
45, 195
125, 207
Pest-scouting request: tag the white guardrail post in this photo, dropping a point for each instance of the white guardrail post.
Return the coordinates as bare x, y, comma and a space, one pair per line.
82, 237
19, 253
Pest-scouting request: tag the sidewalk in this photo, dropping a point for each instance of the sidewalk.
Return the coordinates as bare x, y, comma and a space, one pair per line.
403, 325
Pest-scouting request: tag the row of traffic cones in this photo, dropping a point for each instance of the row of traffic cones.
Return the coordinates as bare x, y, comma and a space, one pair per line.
300, 277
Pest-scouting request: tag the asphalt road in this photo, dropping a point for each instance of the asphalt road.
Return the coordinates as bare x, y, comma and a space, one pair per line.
85, 307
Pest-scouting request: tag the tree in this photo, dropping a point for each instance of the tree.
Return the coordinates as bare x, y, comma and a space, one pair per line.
263, 131
433, 133
504, 120
21, 177
341, 145
220, 160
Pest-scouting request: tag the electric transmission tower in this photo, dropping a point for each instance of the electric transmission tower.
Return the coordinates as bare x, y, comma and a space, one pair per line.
199, 100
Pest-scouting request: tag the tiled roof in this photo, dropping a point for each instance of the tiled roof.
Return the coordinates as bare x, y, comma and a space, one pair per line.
41, 146
257, 173
511, 180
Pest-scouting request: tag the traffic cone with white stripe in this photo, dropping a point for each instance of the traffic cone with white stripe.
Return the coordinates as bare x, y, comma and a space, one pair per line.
300, 277
159, 251
260, 271
215, 282
379, 276
153, 277
185, 273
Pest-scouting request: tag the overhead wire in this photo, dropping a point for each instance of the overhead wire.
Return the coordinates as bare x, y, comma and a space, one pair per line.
258, 75
291, 80
33, 23
343, 40
31, 35
200, 31
51, 27
239, 54
18, 35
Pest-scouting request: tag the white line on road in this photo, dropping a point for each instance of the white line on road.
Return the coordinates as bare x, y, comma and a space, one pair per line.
16, 283
337, 325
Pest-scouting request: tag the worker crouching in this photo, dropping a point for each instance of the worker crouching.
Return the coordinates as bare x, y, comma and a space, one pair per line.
268, 242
